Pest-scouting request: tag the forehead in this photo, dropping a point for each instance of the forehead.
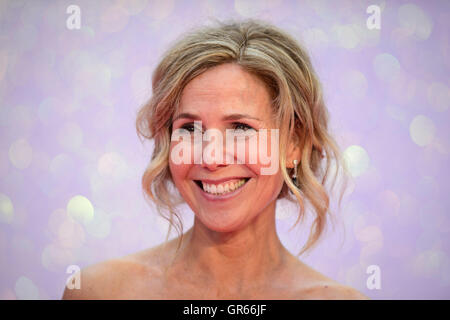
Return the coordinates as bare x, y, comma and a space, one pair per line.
226, 88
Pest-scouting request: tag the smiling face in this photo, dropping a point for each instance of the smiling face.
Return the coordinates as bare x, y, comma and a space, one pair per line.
226, 196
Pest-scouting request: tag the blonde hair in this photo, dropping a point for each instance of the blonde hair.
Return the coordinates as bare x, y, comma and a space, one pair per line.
299, 111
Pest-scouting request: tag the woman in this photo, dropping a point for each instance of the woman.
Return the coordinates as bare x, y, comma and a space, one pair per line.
247, 79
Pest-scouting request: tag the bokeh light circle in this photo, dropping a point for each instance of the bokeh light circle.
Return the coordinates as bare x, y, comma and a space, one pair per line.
25, 289
422, 130
81, 209
357, 160
386, 67
100, 226
6, 209
438, 95
414, 21
20, 154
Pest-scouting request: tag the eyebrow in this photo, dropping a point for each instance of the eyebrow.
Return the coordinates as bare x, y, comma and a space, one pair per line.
233, 116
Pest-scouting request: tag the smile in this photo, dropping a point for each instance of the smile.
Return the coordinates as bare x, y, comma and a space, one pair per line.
221, 190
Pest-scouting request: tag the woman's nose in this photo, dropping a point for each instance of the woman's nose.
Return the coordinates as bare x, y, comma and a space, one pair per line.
213, 151
213, 166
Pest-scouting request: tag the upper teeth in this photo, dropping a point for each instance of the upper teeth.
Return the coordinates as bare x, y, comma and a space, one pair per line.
222, 187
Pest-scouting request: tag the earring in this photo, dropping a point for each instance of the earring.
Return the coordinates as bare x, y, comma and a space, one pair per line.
294, 176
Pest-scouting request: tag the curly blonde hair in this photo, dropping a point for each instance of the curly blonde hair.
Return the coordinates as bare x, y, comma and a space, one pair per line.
298, 108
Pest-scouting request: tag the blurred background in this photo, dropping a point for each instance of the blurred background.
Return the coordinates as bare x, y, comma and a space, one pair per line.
71, 162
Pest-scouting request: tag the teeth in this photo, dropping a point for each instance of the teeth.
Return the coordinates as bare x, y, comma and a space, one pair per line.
222, 188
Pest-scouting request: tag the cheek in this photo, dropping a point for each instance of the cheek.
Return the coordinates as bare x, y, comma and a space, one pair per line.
266, 184
261, 152
178, 171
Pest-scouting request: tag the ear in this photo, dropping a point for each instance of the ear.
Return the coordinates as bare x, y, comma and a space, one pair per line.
293, 152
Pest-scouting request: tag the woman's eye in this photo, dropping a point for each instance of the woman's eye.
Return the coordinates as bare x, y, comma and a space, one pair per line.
190, 127
236, 126
242, 126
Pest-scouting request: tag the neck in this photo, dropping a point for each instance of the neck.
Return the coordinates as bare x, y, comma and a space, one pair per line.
242, 258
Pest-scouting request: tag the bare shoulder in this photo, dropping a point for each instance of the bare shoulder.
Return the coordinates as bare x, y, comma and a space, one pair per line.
121, 278
334, 291
313, 285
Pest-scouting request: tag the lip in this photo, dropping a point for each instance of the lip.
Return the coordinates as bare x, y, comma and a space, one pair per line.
213, 197
208, 181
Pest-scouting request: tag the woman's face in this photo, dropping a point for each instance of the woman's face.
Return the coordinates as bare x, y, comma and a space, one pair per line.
225, 196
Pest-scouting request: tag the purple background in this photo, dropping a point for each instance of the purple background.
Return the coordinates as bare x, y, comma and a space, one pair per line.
71, 163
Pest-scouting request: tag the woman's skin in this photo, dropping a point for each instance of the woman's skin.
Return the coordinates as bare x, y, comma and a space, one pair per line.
232, 251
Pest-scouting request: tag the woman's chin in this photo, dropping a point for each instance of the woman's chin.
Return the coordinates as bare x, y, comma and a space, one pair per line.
223, 225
